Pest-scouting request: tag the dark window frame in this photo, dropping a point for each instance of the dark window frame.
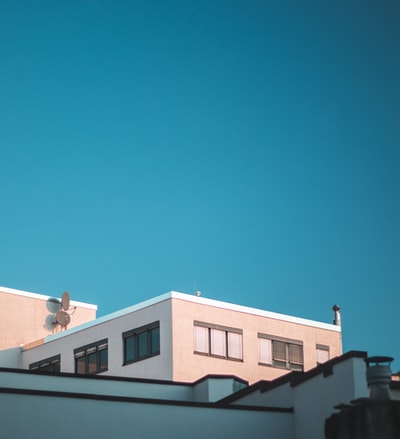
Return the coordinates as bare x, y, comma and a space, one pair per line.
51, 364
99, 349
132, 342
286, 353
227, 330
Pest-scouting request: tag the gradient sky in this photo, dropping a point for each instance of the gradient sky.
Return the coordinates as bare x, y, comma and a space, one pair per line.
246, 149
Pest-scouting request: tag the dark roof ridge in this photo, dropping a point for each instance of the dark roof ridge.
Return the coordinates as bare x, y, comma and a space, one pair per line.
123, 378
325, 368
294, 378
142, 400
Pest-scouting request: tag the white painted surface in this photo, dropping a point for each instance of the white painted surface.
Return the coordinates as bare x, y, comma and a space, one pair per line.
11, 358
314, 399
158, 367
214, 389
110, 387
34, 416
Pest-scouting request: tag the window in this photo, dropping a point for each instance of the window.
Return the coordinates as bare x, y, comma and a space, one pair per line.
92, 358
280, 352
322, 353
52, 364
141, 343
218, 341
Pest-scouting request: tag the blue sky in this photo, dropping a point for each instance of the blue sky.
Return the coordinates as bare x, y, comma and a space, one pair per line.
246, 149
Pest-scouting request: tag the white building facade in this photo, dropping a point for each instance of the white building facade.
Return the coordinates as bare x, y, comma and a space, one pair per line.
180, 337
292, 407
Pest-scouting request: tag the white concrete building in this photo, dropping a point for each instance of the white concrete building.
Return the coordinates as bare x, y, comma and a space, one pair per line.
294, 406
174, 366
181, 337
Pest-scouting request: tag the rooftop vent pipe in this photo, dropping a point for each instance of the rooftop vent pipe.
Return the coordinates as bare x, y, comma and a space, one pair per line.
336, 315
378, 377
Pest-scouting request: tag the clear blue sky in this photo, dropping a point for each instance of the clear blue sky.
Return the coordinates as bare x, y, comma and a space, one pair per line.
247, 149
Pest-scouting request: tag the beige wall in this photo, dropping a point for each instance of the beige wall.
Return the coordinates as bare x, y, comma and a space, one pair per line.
188, 366
23, 317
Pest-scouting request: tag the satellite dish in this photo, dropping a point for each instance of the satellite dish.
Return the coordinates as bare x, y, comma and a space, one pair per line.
53, 305
51, 322
63, 318
59, 309
65, 301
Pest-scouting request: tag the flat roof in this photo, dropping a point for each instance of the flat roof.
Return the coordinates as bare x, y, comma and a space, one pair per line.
255, 311
42, 297
198, 300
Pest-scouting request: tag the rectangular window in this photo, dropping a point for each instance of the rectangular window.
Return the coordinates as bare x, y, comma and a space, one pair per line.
234, 346
280, 352
322, 353
92, 359
201, 340
218, 341
52, 364
141, 343
264, 351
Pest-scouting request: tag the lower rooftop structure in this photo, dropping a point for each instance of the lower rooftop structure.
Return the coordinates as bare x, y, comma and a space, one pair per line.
294, 406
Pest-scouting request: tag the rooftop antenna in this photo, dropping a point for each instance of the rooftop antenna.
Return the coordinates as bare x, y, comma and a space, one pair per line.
196, 292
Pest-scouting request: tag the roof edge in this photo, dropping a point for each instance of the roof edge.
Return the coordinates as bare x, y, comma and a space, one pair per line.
111, 316
194, 299
255, 311
43, 297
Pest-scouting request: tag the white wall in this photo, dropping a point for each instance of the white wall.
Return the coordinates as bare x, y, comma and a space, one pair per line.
280, 396
38, 416
159, 367
314, 399
214, 389
95, 386
10, 357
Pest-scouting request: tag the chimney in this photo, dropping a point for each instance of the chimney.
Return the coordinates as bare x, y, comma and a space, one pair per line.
336, 315
378, 377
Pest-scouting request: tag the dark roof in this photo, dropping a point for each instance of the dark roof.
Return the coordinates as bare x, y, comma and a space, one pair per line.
127, 379
294, 378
